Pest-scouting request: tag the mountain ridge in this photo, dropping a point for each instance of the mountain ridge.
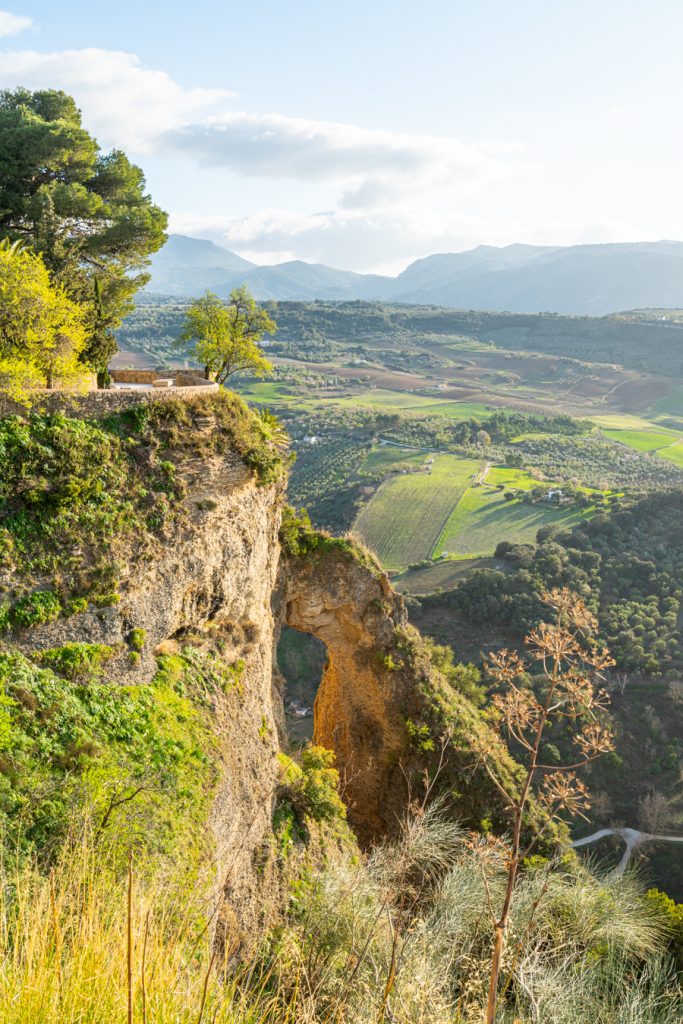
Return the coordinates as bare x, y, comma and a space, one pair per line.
592, 279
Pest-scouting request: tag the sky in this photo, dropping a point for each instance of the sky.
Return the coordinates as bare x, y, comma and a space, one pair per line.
365, 134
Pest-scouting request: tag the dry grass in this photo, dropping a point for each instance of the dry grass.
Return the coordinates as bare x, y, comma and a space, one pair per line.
67, 941
401, 937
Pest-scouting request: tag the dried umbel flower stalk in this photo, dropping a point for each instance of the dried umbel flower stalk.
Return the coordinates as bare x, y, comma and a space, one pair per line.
571, 665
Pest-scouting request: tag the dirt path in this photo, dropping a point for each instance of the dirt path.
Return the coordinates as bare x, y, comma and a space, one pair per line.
633, 839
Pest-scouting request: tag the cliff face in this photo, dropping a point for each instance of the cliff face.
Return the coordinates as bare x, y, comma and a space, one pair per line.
354, 611
210, 583
214, 578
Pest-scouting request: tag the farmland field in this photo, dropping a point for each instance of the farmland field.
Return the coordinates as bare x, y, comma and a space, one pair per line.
404, 519
389, 457
674, 453
377, 398
642, 440
483, 518
444, 574
623, 421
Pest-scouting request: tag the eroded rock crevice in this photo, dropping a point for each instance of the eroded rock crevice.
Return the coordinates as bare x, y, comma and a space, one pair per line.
358, 708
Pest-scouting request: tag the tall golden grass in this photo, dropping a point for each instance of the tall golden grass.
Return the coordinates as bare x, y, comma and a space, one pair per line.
83, 945
402, 936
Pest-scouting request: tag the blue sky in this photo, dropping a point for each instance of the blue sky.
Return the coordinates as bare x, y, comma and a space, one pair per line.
367, 134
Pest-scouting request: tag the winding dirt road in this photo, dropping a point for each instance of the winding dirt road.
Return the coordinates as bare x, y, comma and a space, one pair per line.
633, 839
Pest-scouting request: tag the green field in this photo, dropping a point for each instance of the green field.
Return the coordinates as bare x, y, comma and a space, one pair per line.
379, 398
621, 421
389, 457
404, 519
271, 393
670, 404
483, 518
642, 440
444, 574
275, 394
674, 453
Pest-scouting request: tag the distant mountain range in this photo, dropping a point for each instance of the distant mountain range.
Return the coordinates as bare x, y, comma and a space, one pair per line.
578, 279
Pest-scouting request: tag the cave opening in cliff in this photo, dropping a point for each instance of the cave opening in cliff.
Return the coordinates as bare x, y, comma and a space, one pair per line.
301, 658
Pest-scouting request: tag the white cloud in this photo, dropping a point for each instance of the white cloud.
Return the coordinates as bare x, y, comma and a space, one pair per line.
372, 161
124, 103
385, 191
382, 241
13, 24
395, 196
384, 198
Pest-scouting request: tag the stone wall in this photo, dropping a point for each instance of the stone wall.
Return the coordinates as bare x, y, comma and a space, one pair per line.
140, 376
105, 401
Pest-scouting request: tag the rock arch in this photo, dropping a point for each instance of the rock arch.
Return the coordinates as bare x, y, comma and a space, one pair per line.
350, 606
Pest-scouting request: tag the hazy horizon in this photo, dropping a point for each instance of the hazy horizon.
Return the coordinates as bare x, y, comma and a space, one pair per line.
259, 260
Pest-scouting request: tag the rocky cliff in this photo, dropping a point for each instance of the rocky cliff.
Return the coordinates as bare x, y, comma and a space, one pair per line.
189, 559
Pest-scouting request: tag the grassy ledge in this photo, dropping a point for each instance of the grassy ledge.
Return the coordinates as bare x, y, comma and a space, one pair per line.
79, 497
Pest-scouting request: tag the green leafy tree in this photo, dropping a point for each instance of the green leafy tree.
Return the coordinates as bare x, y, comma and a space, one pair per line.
224, 338
85, 212
42, 332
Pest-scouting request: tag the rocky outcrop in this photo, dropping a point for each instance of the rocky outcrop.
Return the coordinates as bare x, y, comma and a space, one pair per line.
214, 577
394, 721
209, 583
354, 611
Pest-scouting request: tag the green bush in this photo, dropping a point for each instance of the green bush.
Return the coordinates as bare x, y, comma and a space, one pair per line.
297, 535
671, 914
317, 788
136, 639
309, 791
36, 608
420, 736
76, 606
77, 661
105, 600
308, 794
137, 761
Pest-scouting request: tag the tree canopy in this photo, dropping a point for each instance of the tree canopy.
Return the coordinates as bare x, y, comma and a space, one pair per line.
224, 338
42, 331
85, 212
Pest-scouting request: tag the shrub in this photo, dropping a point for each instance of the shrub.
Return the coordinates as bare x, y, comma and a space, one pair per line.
35, 609
105, 600
420, 736
297, 535
671, 914
317, 788
76, 606
77, 661
138, 761
136, 639
309, 792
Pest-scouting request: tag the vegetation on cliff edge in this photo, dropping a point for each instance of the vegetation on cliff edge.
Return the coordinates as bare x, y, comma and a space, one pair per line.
80, 498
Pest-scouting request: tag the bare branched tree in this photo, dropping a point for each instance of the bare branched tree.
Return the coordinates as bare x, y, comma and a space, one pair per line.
565, 688
654, 812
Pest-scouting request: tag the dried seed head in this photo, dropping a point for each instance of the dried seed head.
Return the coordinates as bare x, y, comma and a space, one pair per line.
563, 791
